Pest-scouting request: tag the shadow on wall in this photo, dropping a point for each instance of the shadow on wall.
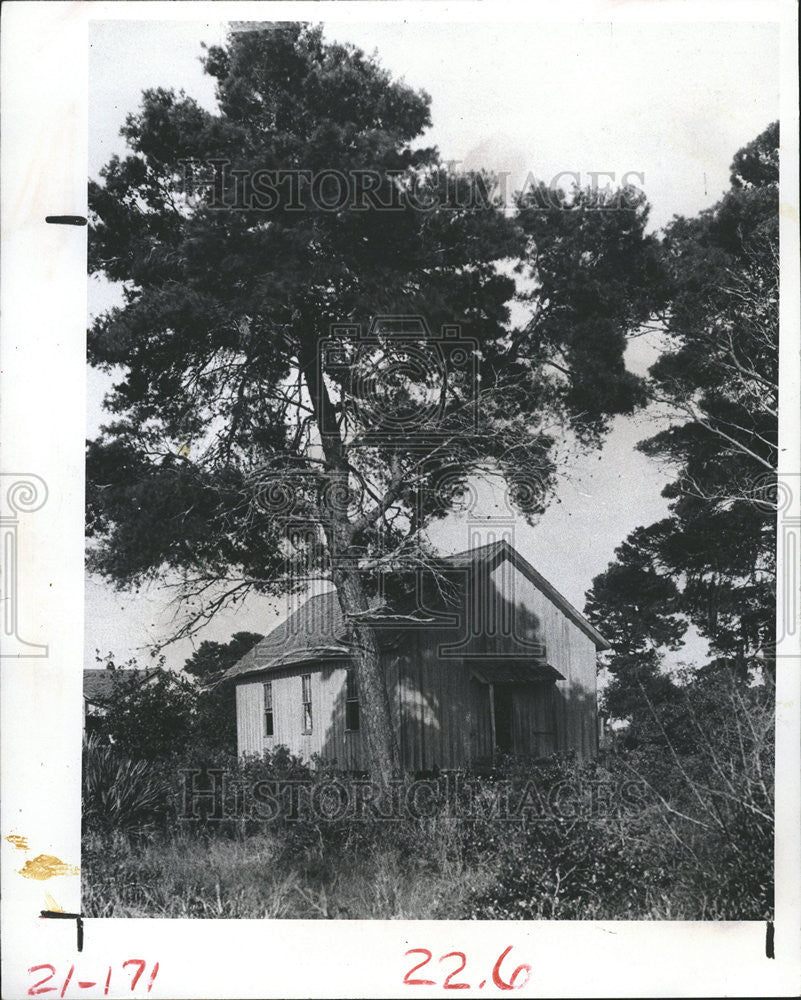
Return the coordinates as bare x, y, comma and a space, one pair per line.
454, 696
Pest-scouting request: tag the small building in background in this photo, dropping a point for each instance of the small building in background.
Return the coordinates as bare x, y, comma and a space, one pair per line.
98, 686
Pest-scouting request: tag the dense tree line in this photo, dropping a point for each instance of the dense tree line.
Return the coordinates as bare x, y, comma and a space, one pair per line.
711, 563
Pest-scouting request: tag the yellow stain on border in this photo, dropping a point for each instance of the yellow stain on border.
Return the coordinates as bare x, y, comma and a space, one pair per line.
21, 843
52, 905
46, 866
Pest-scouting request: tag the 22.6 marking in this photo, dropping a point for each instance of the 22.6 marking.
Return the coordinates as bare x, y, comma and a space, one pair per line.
518, 978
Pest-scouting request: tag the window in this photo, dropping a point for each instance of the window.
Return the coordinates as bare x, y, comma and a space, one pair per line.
268, 709
307, 708
351, 702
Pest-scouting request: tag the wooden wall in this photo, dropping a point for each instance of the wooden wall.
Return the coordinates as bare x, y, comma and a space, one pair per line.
440, 709
533, 720
570, 650
328, 736
435, 705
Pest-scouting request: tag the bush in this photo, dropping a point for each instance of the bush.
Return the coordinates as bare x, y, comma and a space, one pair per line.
119, 795
694, 842
713, 788
148, 721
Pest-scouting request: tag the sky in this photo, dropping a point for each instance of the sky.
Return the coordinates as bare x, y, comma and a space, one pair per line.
670, 103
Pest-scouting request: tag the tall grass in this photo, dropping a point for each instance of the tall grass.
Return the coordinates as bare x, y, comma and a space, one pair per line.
696, 845
259, 876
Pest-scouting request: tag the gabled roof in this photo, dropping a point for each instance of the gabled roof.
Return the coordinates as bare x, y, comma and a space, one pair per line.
317, 630
495, 552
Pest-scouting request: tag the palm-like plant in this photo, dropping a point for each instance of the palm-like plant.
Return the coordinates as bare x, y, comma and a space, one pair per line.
119, 794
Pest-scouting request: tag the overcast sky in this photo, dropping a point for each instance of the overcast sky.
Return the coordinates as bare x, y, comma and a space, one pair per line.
671, 102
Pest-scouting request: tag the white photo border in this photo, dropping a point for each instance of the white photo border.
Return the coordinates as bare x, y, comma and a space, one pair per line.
44, 173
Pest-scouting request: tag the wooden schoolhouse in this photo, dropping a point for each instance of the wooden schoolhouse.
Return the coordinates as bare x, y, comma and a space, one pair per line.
497, 663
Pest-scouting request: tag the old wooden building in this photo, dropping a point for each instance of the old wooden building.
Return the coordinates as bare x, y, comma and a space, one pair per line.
506, 665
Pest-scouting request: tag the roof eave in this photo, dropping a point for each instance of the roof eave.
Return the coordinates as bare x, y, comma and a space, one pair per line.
295, 658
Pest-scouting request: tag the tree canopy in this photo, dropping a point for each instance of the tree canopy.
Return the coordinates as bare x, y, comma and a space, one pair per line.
711, 562
258, 436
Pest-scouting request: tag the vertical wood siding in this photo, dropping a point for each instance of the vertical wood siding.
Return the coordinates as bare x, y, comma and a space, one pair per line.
249, 717
569, 650
441, 712
328, 737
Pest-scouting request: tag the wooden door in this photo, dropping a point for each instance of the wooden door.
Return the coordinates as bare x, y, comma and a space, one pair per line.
504, 718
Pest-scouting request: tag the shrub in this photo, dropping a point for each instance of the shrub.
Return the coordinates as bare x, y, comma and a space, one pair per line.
714, 794
119, 794
696, 844
152, 720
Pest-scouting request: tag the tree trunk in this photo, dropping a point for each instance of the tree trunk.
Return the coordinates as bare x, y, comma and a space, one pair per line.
380, 741
380, 738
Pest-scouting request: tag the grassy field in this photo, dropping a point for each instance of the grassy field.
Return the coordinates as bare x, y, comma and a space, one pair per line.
652, 857
255, 877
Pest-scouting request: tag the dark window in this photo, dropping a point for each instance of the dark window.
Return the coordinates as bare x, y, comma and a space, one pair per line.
268, 709
307, 708
351, 702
